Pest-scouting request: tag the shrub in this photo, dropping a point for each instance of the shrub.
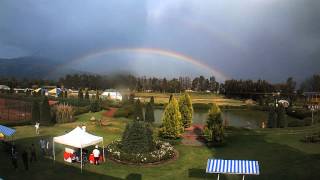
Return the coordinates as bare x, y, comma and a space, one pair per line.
152, 100
64, 113
80, 94
272, 118
45, 113
75, 102
138, 111
35, 111
81, 110
299, 113
131, 98
86, 96
296, 123
281, 120
162, 151
95, 106
125, 111
186, 110
171, 121
308, 121
97, 95
149, 115
214, 131
107, 103
137, 138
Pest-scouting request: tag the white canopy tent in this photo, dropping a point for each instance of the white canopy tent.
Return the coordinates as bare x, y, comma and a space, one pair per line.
78, 138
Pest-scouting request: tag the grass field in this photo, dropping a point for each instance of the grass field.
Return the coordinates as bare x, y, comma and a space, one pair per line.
196, 98
279, 151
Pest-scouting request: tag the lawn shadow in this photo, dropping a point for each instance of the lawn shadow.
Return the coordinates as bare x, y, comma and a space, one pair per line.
277, 161
199, 173
46, 168
134, 176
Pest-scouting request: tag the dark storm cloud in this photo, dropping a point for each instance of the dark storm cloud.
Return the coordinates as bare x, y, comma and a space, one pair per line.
267, 39
70, 27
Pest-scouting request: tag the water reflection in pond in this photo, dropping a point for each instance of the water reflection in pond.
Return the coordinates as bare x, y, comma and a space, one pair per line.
235, 118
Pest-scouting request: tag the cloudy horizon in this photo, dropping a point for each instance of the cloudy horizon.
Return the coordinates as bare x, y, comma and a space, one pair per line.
248, 39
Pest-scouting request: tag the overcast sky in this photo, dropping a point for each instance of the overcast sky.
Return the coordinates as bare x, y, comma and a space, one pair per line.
268, 39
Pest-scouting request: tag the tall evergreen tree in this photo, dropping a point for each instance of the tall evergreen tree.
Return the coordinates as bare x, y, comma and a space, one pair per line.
138, 111
45, 114
281, 112
186, 109
170, 98
272, 118
149, 114
131, 98
35, 111
152, 100
171, 121
86, 96
97, 95
137, 138
80, 94
65, 94
214, 131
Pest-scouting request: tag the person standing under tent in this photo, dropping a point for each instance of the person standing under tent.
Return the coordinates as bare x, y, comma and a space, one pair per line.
96, 155
25, 159
33, 153
47, 148
13, 149
14, 159
43, 146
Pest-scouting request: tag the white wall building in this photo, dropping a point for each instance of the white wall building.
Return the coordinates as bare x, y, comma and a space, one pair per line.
112, 94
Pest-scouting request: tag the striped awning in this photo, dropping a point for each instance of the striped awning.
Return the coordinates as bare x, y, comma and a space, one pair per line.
221, 166
6, 130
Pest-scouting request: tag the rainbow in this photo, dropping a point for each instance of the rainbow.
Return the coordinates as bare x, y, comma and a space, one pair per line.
161, 52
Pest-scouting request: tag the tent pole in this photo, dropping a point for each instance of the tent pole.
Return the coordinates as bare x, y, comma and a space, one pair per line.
53, 151
104, 160
81, 160
242, 177
218, 177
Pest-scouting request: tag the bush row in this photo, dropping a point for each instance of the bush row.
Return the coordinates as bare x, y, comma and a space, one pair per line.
298, 123
81, 110
299, 113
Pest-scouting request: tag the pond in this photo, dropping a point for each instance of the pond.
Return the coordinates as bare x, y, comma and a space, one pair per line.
237, 118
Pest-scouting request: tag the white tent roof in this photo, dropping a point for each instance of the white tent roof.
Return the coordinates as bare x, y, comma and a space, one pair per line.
78, 138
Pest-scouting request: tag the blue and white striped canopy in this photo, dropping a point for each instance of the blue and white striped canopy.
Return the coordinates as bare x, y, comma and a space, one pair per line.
7, 131
221, 166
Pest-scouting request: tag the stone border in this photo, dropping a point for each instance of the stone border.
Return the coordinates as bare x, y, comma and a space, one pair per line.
174, 158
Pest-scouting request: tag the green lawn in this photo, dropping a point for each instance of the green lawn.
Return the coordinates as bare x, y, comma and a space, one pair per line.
280, 153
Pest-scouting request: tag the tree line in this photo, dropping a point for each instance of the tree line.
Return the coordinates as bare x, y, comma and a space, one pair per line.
240, 88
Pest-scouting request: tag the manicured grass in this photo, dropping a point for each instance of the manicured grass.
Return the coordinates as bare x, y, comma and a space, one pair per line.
279, 151
196, 98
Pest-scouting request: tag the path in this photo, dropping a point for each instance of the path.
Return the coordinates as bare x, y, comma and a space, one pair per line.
192, 135
110, 112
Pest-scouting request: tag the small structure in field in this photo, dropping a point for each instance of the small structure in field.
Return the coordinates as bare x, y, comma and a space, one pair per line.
111, 94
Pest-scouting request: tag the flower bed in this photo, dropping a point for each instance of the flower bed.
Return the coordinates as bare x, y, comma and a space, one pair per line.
163, 151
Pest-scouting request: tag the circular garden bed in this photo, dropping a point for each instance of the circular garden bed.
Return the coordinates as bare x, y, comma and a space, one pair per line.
162, 152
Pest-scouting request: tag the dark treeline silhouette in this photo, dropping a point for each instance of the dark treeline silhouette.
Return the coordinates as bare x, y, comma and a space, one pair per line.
311, 84
81, 81
255, 89
25, 83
